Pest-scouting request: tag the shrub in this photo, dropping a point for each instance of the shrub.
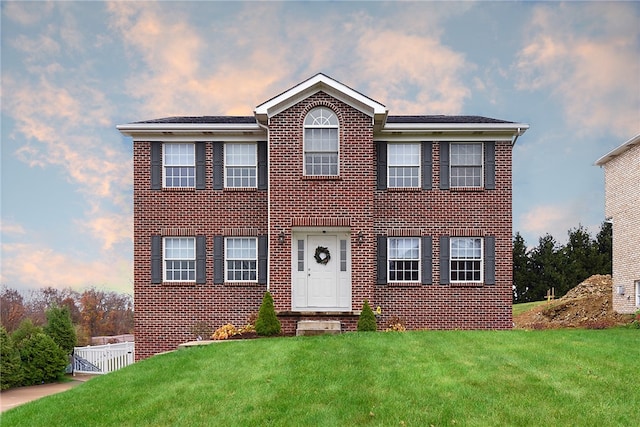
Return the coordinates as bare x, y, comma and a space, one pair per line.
60, 328
42, 359
396, 324
10, 366
267, 323
367, 320
224, 332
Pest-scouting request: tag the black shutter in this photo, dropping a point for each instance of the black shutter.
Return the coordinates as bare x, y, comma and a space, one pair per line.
218, 165
382, 260
156, 165
201, 165
426, 165
156, 259
445, 260
263, 249
201, 259
381, 154
444, 165
426, 260
263, 176
218, 266
490, 260
490, 165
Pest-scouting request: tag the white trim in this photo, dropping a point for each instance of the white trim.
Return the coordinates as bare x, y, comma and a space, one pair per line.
637, 283
482, 165
618, 150
304, 141
419, 259
225, 259
165, 259
225, 166
164, 166
419, 165
317, 83
451, 259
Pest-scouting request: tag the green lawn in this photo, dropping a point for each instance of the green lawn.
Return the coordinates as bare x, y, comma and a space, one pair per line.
526, 306
463, 378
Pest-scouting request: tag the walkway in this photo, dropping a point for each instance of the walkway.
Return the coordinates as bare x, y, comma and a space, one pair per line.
18, 396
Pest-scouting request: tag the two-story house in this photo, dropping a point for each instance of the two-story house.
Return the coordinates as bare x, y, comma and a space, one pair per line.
622, 199
326, 200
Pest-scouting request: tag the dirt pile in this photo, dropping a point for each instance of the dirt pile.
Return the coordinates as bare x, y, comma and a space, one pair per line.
588, 305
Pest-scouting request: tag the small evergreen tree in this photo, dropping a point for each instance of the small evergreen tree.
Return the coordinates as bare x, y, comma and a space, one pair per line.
267, 323
60, 328
367, 320
42, 359
10, 366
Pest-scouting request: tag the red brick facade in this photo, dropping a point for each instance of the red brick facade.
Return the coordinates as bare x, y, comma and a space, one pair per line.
350, 202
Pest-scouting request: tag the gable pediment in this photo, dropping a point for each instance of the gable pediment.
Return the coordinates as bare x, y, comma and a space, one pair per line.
322, 83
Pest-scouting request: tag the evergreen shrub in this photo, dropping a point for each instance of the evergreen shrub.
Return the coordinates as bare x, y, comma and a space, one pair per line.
267, 323
367, 320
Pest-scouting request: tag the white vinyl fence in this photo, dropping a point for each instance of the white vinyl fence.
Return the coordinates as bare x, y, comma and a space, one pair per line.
102, 359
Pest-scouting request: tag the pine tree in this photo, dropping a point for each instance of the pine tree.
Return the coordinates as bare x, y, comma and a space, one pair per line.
10, 365
267, 323
367, 320
60, 328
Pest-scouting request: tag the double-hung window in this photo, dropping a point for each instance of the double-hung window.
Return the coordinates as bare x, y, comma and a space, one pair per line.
241, 165
241, 255
404, 259
466, 164
179, 259
321, 142
179, 163
404, 165
466, 259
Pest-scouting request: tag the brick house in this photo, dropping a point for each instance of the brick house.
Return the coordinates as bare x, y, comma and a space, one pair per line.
325, 200
622, 198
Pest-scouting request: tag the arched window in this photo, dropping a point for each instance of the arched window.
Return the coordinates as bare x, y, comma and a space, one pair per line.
321, 142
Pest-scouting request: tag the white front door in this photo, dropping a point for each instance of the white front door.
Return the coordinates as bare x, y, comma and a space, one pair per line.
321, 272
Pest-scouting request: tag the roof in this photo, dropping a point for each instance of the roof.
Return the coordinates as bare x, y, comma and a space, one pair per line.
618, 151
332, 87
202, 119
252, 119
443, 119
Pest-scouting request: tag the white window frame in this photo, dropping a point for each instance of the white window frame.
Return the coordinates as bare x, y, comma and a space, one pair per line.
249, 166
637, 283
417, 165
178, 164
227, 258
190, 246
330, 121
452, 166
398, 259
466, 259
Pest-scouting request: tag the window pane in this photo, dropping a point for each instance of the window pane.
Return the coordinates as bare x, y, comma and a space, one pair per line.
241, 257
404, 259
466, 259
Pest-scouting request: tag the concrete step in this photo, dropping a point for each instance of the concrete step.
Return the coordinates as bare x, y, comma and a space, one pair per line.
318, 327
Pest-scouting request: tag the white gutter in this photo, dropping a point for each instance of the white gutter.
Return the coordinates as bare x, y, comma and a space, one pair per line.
144, 128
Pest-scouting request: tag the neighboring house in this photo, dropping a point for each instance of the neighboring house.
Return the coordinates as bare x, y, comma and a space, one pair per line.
326, 201
622, 207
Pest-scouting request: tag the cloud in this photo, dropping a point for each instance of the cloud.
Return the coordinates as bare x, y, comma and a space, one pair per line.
553, 219
586, 54
33, 265
24, 14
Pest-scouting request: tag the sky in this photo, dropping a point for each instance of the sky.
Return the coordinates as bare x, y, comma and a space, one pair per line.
72, 71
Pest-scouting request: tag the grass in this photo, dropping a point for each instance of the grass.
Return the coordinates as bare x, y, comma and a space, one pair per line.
441, 378
526, 306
